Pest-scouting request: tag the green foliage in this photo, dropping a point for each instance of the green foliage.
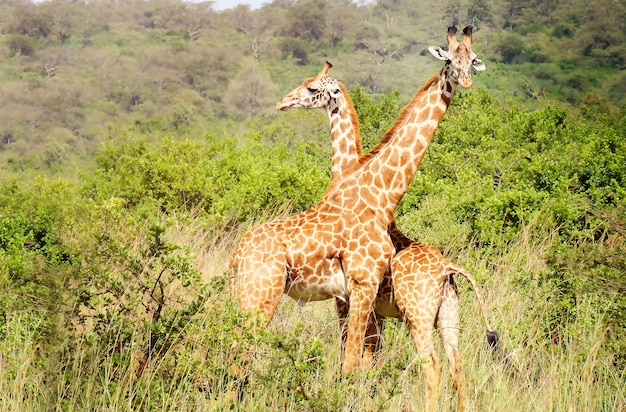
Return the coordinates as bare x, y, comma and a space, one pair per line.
306, 20
376, 116
35, 260
21, 45
511, 48
225, 179
527, 162
296, 48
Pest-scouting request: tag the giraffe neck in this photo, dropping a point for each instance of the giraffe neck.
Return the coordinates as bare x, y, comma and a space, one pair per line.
389, 168
346, 138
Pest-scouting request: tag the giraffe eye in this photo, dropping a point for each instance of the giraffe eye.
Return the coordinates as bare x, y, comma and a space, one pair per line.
311, 90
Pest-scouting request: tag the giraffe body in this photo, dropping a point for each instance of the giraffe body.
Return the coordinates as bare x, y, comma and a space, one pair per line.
347, 231
425, 292
302, 256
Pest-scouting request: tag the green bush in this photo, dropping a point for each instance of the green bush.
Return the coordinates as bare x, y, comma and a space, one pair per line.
225, 179
21, 45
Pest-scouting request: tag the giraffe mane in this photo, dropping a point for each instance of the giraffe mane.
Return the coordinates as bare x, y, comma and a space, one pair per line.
353, 118
399, 121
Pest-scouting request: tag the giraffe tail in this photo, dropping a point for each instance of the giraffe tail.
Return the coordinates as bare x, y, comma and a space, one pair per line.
493, 339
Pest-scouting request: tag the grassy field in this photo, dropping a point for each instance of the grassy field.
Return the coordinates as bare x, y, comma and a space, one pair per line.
220, 359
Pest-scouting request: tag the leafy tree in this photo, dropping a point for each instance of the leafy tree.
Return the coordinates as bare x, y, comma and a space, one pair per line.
295, 48
339, 21
479, 13
30, 20
451, 13
306, 20
514, 13
250, 92
21, 45
511, 48
258, 30
67, 18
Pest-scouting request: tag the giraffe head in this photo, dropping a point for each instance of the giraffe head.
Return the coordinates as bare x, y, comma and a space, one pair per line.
315, 92
459, 57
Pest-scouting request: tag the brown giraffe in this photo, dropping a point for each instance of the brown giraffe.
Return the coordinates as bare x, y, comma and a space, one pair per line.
426, 295
323, 91
341, 247
423, 278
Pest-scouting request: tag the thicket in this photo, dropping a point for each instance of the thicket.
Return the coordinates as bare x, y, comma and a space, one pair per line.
115, 275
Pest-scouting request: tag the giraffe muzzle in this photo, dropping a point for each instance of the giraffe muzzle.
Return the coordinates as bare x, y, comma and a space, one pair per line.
282, 105
465, 81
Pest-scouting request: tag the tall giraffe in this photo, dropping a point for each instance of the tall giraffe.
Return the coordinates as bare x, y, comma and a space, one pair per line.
422, 277
323, 91
341, 247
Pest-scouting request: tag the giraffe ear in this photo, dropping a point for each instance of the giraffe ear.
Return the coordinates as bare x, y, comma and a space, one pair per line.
478, 65
438, 52
335, 93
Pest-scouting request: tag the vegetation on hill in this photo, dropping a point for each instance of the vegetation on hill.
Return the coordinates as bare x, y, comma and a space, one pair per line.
139, 141
73, 74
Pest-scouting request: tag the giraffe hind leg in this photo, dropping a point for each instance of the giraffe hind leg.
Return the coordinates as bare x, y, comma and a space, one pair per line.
448, 325
343, 308
261, 278
373, 340
373, 334
431, 366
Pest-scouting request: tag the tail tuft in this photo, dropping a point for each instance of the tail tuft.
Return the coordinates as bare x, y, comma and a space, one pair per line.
493, 339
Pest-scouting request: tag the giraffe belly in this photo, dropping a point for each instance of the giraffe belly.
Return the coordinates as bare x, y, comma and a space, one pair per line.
384, 305
326, 282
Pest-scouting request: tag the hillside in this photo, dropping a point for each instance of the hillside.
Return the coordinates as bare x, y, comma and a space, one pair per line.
75, 74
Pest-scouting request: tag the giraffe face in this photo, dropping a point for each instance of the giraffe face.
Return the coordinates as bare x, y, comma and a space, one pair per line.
315, 92
459, 57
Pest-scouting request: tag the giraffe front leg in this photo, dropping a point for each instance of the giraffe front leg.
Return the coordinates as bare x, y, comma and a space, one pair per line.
343, 308
365, 272
361, 301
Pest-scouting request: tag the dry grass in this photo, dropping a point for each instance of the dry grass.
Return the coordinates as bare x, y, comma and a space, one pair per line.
286, 375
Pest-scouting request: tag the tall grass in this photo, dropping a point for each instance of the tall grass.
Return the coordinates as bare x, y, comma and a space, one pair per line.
221, 359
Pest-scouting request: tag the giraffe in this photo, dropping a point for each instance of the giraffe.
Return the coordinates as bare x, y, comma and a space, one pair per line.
323, 91
423, 279
341, 246
426, 295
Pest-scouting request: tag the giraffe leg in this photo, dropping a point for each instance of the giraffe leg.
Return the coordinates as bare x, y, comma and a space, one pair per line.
431, 366
364, 275
261, 277
373, 340
361, 301
448, 324
343, 308
419, 300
